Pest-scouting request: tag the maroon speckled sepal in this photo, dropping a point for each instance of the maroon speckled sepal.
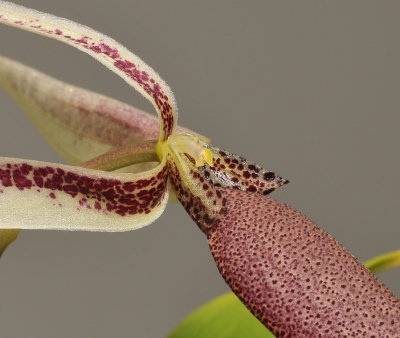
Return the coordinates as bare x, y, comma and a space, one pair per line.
294, 277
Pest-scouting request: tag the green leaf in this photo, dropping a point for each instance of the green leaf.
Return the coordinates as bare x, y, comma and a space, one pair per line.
7, 236
226, 316
384, 262
222, 317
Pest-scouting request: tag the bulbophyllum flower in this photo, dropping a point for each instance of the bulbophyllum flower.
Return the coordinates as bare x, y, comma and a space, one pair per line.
295, 278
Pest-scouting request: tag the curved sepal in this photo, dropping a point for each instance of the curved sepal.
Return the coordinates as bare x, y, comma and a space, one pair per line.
104, 49
39, 195
78, 124
294, 277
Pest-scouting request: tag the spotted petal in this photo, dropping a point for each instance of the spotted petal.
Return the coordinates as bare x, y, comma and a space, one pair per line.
228, 170
104, 49
39, 195
233, 171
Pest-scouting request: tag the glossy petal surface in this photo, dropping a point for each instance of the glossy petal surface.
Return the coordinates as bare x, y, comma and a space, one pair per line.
39, 195
294, 277
104, 49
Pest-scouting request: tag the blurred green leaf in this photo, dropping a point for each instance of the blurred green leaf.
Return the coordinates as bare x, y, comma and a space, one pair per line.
384, 262
227, 317
222, 317
7, 236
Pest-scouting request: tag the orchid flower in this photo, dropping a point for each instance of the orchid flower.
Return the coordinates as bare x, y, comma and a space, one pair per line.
295, 278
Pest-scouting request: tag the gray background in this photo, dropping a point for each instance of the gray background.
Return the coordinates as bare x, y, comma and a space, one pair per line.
307, 88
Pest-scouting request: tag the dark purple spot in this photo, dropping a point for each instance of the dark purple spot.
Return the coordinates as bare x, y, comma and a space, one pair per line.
269, 176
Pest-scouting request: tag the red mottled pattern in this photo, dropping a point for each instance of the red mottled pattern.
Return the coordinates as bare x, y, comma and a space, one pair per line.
103, 195
85, 112
133, 71
294, 277
233, 171
193, 204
